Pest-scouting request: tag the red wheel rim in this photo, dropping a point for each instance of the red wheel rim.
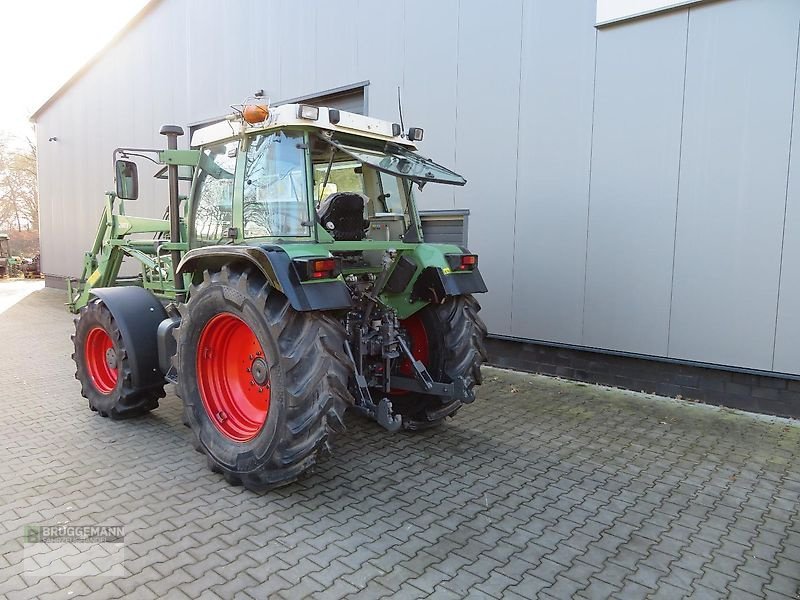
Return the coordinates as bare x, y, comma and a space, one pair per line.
233, 377
417, 343
101, 360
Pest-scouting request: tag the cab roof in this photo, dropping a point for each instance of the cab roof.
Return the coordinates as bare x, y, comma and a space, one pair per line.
301, 115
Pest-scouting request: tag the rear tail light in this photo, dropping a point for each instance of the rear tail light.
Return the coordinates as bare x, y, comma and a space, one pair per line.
462, 262
468, 261
310, 269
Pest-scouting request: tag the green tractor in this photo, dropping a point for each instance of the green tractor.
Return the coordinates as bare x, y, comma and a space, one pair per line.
9, 265
289, 283
6, 260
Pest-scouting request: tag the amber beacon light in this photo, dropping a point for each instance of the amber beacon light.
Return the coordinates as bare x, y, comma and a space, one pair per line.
255, 113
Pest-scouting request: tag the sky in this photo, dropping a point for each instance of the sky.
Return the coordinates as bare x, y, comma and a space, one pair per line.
43, 43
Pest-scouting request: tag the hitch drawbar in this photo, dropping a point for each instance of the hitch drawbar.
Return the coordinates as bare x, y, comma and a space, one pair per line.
458, 392
382, 413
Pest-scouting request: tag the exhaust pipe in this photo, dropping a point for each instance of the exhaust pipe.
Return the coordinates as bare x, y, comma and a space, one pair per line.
173, 132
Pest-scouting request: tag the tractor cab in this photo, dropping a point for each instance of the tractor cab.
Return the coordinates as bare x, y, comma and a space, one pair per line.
309, 174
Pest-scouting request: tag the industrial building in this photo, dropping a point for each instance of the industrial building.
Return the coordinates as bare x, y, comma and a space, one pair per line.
631, 187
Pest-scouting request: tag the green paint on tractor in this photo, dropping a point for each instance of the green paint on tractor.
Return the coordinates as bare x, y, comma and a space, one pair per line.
288, 281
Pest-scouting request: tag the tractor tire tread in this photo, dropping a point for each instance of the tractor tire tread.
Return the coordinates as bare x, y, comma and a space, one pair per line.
125, 401
464, 333
315, 371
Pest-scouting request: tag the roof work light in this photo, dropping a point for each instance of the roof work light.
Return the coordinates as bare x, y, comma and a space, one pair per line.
306, 111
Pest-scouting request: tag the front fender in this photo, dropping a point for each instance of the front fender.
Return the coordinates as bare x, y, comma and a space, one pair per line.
276, 266
137, 313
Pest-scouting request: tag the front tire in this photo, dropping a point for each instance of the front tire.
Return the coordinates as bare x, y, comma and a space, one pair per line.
103, 368
263, 385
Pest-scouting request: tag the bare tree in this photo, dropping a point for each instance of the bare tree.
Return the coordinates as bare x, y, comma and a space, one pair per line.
19, 195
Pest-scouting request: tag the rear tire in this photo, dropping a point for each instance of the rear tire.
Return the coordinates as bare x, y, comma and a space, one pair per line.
103, 368
449, 339
268, 438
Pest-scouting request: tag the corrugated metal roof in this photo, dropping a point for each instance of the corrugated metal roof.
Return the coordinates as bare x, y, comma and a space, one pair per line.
146, 9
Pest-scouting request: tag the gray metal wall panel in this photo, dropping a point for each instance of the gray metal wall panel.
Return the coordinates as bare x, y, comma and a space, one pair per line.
430, 71
298, 49
220, 70
336, 38
555, 125
737, 120
120, 101
459, 64
378, 61
786, 357
634, 184
491, 172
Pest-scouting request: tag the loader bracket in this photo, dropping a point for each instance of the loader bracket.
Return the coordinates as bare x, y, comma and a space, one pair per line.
167, 347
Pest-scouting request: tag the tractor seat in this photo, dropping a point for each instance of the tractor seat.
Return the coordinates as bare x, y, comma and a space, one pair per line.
342, 215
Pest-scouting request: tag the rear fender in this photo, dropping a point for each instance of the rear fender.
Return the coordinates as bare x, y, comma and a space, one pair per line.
435, 284
423, 276
137, 313
276, 266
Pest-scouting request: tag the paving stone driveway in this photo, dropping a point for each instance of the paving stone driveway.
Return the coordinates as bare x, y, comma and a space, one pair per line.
539, 489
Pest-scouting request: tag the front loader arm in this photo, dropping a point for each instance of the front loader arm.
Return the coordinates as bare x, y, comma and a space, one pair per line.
96, 262
102, 263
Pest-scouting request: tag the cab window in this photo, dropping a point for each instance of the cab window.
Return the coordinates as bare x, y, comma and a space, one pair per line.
343, 177
339, 168
214, 193
275, 201
393, 196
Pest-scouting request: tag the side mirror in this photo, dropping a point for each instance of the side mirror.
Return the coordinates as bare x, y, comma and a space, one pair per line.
127, 180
